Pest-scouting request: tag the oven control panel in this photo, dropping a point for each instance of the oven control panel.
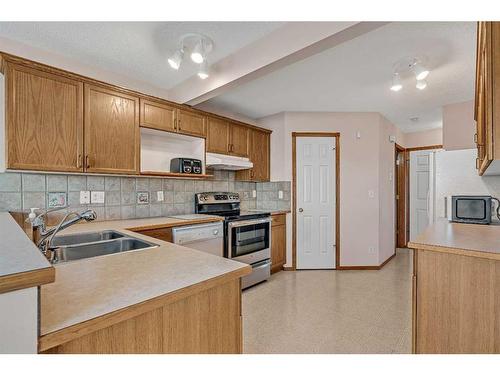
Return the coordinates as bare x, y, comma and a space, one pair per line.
217, 197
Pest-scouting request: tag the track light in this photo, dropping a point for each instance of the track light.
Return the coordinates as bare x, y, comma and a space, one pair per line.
203, 71
176, 59
420, 71
421, 84
198, 52
396, 82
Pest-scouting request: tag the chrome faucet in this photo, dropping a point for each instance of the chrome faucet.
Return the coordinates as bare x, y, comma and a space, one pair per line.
45, 236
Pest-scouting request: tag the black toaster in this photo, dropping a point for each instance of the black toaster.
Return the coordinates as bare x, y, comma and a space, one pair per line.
185, 165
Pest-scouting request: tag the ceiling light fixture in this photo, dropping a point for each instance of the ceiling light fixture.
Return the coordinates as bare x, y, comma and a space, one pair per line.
176, 59
420, 71
203, 71
396, 82
198, 47
421, 84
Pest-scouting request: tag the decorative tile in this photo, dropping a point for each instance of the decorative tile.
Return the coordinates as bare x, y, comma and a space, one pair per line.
167, 210
112, 183
179, 209
77, 183
95, 183
189, 208
59, 199
74, 199
220, 186
208, 186
10, 201
33, 182
10, 182
99, 210
142, 197
179, 197
57, 183
168, 185
189, 186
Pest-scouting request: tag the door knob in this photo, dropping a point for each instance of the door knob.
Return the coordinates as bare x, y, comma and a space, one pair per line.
301, 210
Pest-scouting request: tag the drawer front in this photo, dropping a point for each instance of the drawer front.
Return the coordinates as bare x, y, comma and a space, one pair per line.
278, 219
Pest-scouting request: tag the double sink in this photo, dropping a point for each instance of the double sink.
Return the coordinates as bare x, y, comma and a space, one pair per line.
77, 246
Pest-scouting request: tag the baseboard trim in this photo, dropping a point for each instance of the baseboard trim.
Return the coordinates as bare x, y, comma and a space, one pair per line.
288, 268
352, 268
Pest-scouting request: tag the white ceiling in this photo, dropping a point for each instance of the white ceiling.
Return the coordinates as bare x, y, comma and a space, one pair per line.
137, 49
356, 76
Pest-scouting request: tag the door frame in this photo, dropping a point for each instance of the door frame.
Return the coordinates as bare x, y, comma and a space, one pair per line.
336, 135
401, 186
407, 182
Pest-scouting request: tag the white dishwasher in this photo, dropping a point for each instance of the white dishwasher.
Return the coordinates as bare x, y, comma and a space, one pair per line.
204, 237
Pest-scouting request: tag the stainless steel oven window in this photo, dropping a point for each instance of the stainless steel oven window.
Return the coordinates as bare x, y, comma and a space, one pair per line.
248, 236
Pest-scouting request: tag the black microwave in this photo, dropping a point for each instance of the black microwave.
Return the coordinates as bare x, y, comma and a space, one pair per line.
473, 209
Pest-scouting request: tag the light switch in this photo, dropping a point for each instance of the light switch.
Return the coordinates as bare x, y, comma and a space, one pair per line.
371, 194
97, 197
254, 193
280, 194
84, 197
159, 196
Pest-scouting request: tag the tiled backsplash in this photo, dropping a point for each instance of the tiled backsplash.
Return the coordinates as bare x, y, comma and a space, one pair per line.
21, 191
268, 195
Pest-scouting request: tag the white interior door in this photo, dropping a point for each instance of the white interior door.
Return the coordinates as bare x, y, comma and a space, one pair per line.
315, 171
421, 191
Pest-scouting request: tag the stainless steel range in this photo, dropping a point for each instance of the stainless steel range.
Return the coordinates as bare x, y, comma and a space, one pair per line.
247, 235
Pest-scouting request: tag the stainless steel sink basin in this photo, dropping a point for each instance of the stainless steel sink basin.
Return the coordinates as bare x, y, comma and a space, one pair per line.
87, 245
80, 238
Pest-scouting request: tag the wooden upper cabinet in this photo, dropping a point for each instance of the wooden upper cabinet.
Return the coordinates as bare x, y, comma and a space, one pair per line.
259, 154
487, 98
111, 131
44, 128
238, 140
191, 123
217, 136
156, 115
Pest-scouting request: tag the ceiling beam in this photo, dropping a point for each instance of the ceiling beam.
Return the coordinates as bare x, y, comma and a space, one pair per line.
289, 44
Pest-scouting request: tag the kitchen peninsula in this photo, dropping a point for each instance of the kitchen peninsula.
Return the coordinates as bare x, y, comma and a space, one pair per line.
456, 289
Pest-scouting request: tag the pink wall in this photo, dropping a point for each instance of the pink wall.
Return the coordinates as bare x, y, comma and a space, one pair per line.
360, 161
423, 138
459, 126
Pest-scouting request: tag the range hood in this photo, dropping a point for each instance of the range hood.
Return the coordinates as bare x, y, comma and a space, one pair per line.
231, 163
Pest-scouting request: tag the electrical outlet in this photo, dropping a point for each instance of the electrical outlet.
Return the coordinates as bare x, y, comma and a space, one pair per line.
159, 196
280, 194
254, 193
85, 197
371, 194
371, 250
97, 197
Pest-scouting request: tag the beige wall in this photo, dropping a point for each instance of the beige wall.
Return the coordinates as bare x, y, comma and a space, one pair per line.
365, 165
459, 126
423, 138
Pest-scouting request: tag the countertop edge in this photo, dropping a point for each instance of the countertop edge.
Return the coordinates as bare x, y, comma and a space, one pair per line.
27, 279
186, 222
55, 338
454, 250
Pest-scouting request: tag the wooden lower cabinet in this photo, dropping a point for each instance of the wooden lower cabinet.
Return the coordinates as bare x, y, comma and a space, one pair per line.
206, 322
456, 303
278, 242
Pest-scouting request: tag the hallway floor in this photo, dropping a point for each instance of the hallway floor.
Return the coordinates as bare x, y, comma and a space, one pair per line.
331, 311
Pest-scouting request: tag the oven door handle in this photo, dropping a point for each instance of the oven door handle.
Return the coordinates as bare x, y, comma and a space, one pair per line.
236, 224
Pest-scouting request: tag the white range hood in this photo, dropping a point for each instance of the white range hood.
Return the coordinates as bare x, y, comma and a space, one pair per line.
232, 163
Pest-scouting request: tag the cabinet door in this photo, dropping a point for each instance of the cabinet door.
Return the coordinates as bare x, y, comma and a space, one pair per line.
157, 115
278, 247
259, 155
44, 129
218, 136
191, 123
111, 131
238, 140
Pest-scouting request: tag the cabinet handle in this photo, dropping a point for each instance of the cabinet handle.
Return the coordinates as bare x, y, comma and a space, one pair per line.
79, 161
179, 125
175, 124
87, 161
475, 138
477, 163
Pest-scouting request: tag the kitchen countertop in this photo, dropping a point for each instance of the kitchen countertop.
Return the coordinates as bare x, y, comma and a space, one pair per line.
463, 239
22, 265
90, 288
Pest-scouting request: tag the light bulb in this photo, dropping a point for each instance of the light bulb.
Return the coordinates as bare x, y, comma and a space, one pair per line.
421, 84
420, 72
396, 83
198, 53
175, 60
203, 71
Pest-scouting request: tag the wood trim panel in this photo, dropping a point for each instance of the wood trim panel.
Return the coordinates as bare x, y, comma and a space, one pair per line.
76, 331
432, 147
337, 193
23, 280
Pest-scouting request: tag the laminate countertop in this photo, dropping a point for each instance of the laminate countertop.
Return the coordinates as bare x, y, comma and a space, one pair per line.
22, 265
476, 240
93, 287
